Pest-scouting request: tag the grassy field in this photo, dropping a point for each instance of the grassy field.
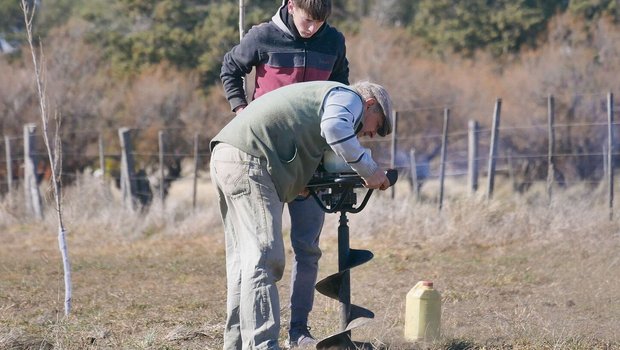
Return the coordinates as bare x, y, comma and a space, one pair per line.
513, 272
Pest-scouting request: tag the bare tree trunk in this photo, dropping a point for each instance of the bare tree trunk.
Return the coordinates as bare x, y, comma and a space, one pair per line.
55, 156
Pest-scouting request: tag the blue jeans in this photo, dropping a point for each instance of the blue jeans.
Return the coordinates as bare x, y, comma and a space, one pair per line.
252, 214
306, 223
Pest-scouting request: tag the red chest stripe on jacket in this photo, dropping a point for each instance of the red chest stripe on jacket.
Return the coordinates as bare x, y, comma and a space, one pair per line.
270, 78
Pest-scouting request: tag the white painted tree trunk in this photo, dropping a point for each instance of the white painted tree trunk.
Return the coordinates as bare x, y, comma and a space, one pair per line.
55, 156
62, 244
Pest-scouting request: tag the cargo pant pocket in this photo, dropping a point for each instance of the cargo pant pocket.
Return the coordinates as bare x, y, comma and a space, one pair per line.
233, 177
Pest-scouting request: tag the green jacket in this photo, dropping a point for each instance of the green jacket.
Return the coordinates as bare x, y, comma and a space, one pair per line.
283, 127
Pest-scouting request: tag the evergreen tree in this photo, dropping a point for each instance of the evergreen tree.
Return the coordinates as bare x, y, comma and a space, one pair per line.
500, 26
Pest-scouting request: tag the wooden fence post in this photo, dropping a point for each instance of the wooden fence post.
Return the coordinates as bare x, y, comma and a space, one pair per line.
241, 18
9, 165
610, 153
160, 137
196, 162
101, 157
444, 147
128, 179
551, 148
394, 147
605, 172
511, 170
414, 174
472, 156
31, 188
493, 147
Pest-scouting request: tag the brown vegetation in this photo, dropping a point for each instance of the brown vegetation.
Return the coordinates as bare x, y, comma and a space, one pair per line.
514, 273
575, 64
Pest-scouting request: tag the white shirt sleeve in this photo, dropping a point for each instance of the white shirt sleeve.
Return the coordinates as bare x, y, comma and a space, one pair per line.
342, 112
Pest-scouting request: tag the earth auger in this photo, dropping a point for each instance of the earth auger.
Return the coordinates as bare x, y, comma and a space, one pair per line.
334, 192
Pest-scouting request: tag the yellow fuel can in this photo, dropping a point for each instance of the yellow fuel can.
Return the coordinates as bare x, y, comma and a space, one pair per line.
423, 312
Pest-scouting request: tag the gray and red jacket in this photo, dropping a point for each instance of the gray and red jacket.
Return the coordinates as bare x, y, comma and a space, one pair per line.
282, 57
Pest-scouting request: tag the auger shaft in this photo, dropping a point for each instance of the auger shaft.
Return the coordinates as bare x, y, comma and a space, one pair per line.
343, 259
342, 198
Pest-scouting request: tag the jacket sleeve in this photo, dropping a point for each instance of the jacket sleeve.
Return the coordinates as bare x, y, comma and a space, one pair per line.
340, 73
342, 110
238, 62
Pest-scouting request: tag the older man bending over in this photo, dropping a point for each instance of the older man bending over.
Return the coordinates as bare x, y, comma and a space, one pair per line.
264, 158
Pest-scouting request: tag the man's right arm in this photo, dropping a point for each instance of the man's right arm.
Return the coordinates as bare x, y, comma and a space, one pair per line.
237, 63
342, 110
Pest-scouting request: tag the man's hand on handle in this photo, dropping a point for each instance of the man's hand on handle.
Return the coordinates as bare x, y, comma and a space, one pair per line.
378, 180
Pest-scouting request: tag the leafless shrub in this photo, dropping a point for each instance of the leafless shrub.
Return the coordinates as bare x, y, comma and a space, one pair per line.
17, 99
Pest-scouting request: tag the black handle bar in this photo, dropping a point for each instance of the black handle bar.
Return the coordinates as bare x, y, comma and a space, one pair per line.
341, 185
322, 181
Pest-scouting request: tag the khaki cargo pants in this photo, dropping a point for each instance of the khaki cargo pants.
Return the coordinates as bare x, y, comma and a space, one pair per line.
252, 214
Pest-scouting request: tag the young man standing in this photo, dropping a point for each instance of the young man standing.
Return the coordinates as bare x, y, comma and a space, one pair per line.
297, 45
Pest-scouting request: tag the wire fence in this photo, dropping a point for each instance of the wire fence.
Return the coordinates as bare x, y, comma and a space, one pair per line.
88, 159
584, 151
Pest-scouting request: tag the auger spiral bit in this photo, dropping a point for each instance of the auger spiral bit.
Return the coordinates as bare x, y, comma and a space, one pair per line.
335, 193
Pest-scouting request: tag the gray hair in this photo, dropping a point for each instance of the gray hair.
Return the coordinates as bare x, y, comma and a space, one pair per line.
371, 90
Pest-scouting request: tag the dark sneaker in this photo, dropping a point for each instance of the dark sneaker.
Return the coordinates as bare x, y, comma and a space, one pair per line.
299, 336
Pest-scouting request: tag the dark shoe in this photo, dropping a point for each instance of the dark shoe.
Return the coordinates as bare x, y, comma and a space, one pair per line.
299, 336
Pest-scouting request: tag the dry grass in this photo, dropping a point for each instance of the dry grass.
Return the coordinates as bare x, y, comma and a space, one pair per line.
514, 273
